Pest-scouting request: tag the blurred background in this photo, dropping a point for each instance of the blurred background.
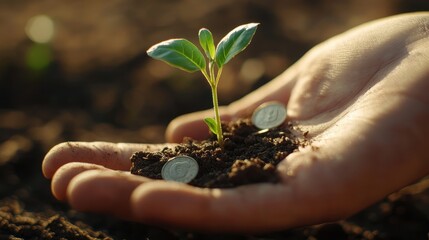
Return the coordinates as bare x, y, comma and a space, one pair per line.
77, 70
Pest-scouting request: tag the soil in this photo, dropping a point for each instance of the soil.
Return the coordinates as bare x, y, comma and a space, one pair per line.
96, 83
402, 215
249, 155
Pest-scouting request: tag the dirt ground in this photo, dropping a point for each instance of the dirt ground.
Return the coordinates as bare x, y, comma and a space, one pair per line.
93, 82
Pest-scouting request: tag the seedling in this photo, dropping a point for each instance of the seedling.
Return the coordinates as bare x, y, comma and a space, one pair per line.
184, 55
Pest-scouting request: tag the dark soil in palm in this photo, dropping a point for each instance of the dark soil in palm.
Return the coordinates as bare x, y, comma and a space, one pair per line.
249, 155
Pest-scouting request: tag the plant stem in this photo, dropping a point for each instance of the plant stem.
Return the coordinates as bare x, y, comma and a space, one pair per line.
206, 76
217, 116
213, 82
213, 85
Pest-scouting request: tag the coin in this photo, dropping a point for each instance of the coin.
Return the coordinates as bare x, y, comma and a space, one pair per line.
269, 115
180, 169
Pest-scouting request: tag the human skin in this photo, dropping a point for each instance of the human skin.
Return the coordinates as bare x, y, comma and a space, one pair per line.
362, 97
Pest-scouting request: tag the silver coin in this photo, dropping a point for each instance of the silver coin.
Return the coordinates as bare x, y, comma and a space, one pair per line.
180, 169
269, 115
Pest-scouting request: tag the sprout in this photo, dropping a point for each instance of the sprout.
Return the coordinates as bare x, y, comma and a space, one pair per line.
183, 54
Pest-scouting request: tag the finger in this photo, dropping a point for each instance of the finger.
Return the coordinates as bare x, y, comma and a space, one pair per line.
111, 155
253, 208
103, 191
65, 174
191, 125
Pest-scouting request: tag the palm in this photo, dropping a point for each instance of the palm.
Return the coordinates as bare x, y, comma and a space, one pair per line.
361, 98
365, 113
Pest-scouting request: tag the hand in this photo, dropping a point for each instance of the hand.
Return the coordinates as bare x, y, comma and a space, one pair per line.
362, 97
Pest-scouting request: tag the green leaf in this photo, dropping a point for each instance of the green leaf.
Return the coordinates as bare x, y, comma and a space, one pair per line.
234, 42
206, 42
179, 53
211, 123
